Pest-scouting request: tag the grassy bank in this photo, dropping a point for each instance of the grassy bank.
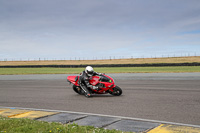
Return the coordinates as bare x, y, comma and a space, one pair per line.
8, 125
190, 59
174, 69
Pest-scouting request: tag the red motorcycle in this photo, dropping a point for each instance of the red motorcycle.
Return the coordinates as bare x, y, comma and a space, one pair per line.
105, 85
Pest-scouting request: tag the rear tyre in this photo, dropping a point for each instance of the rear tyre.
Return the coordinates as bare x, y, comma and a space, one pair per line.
117, 91
77, 89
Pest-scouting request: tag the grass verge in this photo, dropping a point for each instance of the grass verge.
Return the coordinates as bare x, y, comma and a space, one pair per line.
172, 69
11, 125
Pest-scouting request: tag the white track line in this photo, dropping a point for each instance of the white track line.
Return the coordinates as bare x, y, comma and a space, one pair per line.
121, 117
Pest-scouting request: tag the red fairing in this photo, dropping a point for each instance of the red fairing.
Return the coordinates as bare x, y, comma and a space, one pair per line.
94, 80
73, 80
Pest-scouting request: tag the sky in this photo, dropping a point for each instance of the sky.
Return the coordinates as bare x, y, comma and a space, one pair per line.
98, 29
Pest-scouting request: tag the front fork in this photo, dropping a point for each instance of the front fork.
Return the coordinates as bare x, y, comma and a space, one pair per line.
111, 89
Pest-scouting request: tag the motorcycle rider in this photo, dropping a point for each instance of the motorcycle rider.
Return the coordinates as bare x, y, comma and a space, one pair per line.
84, 80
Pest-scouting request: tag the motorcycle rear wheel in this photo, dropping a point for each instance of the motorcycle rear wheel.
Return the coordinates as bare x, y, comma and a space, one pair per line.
77, 89
117, 91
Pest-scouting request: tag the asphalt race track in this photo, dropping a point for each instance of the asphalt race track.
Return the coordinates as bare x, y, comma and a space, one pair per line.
168, 97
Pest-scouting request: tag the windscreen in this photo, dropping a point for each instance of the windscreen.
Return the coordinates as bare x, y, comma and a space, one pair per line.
105, 79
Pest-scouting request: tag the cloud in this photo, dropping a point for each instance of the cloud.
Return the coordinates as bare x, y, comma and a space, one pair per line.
107, 27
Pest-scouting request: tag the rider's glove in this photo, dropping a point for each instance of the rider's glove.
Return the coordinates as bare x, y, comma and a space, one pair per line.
101, 74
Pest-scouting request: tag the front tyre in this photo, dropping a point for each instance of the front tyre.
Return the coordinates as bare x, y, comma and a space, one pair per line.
117, 91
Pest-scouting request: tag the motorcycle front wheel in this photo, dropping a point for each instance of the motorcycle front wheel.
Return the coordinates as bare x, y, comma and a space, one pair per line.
117, 91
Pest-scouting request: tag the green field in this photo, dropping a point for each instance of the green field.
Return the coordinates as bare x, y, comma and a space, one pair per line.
174, 69
12, 125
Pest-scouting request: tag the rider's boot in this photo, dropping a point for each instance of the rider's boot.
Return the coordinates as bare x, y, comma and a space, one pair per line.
88, 95
86, 91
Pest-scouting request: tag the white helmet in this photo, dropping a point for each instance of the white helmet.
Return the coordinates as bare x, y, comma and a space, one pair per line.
89, 70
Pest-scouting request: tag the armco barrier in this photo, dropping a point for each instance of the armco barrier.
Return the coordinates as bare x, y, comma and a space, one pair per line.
107, 65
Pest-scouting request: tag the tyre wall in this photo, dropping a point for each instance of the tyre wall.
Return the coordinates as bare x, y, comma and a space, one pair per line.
106, 65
